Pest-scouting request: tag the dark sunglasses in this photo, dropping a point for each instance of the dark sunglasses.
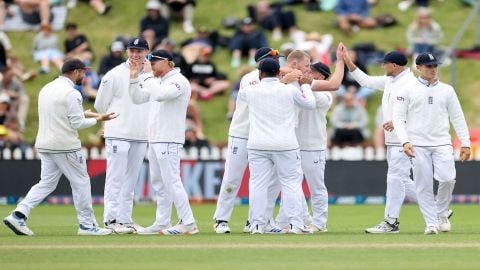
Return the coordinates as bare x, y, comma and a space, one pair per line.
270, 53
150, 56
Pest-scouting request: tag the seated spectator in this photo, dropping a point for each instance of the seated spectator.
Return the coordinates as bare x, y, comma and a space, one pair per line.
424, 34
113, 59
183, 8
272, 18
236, 87
204, 78
169, 45
203, 39
19, 99
14, 137
153, 27
14, 63
318, 46
404, 5
246, 40
350, 85
194, 117
349, 121
46, 49
192, 139
354, 14
35, 11
98, 5
76, 45
90, 84
5, 112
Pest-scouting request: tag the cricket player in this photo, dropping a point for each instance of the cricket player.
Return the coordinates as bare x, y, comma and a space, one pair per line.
125, 138
422, 114
399, 185
60, 115
272, 145
169, 91
236, 160
312, 137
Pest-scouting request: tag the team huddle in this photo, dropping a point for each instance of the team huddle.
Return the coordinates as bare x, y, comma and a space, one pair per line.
278, 129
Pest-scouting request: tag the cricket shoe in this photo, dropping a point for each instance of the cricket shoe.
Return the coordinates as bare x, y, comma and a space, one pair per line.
95, 231
444, 224
221, 227
17, 225
110, 224
154, 229
431, 230
385, 227
257, 229
316, 229
272, 229
299, 230
126, 228
246, 229
450, 213
180, 229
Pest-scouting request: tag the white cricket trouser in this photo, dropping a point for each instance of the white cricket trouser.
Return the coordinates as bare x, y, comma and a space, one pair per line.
124, 160
313, 166
166, 183
74, 167
286, 164
235, 165
434, 163
399, 184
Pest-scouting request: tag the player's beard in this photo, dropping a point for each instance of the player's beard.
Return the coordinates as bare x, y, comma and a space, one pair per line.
79, 80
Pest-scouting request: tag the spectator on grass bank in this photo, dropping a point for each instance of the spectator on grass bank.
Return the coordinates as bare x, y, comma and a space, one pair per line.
180, 8
194, 117
354, 14
35, 11
245, 42
423, 34
272, 18
76, 45
113, 59
169, 45
19, 99
154, 27
204, 78
192, 139
98, 5
46, 49
349, 121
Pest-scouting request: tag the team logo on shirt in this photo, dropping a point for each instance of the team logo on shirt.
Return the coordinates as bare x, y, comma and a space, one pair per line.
430, 100
234, 150
176, 85
114, 149
402, 99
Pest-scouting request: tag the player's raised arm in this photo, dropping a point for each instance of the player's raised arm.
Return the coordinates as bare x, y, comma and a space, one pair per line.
334, 82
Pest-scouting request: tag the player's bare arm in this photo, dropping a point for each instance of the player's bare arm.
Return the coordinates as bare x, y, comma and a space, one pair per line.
388, 126
348, 61
336, 79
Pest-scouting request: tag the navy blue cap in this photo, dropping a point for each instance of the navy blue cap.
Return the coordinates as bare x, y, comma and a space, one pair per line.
269, 65
160, 55
73, 64
266, 52
138, 43
427, 59
321, 68
395, 57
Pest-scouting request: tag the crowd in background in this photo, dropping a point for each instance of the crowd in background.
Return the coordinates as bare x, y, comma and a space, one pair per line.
349, 118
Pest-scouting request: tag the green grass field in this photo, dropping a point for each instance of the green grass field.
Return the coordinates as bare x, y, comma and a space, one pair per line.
345, 246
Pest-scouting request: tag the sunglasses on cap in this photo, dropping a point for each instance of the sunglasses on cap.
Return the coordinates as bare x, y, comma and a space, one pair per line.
270, 53
151, 56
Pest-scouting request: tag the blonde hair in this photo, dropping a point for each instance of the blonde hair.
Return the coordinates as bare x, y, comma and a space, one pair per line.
297, 55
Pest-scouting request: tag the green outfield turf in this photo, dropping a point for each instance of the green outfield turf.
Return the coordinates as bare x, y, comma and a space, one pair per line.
345, 246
